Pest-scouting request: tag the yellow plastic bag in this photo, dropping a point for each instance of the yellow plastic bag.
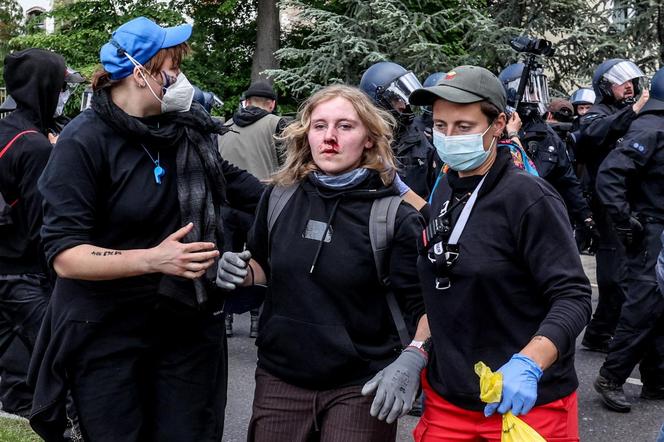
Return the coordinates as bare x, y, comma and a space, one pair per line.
491, 387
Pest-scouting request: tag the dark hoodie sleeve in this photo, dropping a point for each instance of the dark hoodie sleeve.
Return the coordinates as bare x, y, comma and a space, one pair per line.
623, 163
257, 238
30, 156
243, 190
69, 188
600, 129
404, 278
547, 248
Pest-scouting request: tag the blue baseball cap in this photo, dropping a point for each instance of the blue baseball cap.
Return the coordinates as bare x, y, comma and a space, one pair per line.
141, 38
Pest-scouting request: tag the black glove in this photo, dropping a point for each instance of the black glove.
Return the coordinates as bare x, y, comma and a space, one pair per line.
630, 232
587, 236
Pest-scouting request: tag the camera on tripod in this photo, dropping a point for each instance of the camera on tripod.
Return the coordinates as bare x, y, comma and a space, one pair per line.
536, 46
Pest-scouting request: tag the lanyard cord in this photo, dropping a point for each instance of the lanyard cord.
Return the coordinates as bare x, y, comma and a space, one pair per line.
151, 158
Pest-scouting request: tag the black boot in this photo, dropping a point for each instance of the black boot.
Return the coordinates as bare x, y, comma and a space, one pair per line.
652, 393
612, 394
253, 330
592, 343
229, 325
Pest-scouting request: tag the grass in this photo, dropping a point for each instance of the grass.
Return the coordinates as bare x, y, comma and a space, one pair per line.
16, 430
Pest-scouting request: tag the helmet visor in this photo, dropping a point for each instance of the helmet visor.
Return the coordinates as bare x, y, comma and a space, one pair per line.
583, 96
623, 72
401, 88
537, 90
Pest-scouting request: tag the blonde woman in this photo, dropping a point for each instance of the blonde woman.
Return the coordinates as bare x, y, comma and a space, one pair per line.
326, 328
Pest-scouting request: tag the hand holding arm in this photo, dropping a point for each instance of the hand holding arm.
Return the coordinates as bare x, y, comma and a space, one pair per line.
170, 257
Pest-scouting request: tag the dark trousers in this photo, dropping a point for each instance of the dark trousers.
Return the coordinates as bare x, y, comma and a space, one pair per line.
285, 413
611, 279
155, 375
639, 336
23, 300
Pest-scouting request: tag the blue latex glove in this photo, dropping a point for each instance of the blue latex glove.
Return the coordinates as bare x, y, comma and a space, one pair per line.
520, 377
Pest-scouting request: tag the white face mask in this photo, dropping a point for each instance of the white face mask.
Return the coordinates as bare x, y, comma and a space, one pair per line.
62, 100
177, 97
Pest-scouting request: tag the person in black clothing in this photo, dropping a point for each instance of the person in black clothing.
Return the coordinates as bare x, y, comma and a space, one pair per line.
424, 121
326, 327
547, 150
501, 277
630, 184
617, 85
34, 77
389, 85
559, 116
251, 145
132, 326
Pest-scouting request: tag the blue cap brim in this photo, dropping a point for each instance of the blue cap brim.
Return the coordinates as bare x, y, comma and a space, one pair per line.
176, 35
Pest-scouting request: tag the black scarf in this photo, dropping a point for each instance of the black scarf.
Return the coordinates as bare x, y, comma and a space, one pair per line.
200, 179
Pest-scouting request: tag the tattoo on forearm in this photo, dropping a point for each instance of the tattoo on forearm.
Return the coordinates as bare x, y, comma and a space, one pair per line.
106, 253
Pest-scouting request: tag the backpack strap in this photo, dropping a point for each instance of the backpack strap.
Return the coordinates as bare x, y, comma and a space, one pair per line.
279, 197
6, 206
381, 232
13, 140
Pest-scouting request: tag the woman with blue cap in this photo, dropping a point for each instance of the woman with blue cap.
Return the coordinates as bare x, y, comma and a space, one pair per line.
132, 199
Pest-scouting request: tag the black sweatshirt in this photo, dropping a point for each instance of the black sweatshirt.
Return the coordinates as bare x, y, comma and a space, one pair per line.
601, 128
99, 189
34, 77
332, 327
631, 178
518, 275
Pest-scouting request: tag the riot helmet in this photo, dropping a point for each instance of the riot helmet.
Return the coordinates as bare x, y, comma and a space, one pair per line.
433, 79
582, 99
616, 71
389, 85
656, 100
206, 99
536, 94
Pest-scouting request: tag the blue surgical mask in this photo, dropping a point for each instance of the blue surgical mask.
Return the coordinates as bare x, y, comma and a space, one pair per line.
462, 152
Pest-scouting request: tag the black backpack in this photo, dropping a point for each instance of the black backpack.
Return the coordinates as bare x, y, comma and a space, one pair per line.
381, 231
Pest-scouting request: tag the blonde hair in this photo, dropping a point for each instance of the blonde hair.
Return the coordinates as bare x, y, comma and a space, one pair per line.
378, 123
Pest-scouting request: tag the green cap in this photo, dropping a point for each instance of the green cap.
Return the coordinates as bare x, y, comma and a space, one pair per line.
463, 84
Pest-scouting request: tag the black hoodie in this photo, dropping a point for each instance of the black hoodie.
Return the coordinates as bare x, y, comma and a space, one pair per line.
331, 327
517, 275
34, 78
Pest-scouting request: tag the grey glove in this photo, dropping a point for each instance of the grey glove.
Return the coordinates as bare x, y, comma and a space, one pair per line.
396, 385
232, 269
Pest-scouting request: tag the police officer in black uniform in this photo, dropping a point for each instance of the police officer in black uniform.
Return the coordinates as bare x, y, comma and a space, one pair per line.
544, 146
389, 85
630, 184
424, 121
616, 84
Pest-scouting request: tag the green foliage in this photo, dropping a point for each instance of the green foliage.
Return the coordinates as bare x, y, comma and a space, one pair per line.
83, 26
223, 43
11, 15
584, 34
335, 41
16, 430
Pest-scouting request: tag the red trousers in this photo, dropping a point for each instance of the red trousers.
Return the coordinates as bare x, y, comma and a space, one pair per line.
556, 421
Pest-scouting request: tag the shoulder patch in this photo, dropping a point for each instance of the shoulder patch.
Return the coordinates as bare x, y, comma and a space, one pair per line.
638, 146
